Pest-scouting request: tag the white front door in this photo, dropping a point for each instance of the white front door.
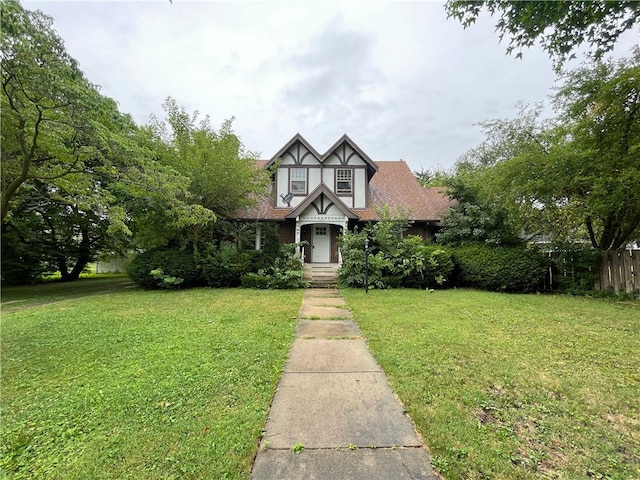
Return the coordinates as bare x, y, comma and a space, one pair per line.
321, 243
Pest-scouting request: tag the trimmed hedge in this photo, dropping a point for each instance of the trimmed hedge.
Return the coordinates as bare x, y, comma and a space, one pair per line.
260, 281
499, 269
172, 262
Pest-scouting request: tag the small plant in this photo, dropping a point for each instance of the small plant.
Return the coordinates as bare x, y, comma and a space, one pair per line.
353, 446
297, 448
166, 281
440, 463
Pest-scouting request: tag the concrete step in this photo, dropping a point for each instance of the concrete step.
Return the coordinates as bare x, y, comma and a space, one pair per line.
321, 274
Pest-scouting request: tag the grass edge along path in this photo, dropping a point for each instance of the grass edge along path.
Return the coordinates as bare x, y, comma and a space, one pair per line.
512, 386
137, 384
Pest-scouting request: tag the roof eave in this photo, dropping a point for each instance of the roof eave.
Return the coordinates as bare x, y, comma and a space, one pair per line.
323, 189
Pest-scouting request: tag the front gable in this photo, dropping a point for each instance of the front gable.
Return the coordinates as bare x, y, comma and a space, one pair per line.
296, 151
344, 169
322, 202
345, 152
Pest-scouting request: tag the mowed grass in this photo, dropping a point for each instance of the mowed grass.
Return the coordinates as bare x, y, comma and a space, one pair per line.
14, 298
135, 384
512, 386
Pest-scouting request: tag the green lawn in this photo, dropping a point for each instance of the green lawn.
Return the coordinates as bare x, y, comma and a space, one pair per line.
14, 298
177, 384
512, 386
135, 384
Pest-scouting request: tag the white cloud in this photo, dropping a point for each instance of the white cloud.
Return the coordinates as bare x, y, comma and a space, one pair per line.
397, 77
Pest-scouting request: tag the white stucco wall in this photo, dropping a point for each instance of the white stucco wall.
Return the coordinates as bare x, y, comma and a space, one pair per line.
323, 173
360, 188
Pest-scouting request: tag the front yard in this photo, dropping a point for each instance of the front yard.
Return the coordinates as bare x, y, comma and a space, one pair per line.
512, 386
177, 384
135, 384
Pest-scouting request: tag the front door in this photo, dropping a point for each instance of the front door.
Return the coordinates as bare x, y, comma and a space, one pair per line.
321, 243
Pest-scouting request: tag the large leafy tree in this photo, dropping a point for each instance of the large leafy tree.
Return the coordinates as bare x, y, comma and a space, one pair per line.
58, 140
576, 178
75, 171
47, 105
222, 173
559, 26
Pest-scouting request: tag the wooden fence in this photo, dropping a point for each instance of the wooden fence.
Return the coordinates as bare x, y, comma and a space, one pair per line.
620, 270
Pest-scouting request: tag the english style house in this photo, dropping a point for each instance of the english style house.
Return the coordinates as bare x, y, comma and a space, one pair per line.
315, 196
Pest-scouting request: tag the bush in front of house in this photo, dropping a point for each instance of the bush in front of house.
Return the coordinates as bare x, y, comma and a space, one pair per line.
393, 261
259, 280
285, 273
499, 269
352, 270
165, 268
419, 265
224, 265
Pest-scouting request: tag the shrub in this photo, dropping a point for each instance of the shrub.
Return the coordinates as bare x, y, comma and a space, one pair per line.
501, 269
419, 265
288, 268
224, 265
393, 261
285, 273
152, 268
256, 280
574, 271
352, 271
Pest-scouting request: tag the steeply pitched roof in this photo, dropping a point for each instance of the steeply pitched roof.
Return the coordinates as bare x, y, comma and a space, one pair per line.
371, 165
393, 185
323, 190
296, 138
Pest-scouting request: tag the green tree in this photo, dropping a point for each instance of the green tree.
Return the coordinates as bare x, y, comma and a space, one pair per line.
432, 177
75, 171
560, 26
47, 105
475, 218
575, 178
222, 174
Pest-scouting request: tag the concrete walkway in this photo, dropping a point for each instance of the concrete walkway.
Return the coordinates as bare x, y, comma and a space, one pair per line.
334, 403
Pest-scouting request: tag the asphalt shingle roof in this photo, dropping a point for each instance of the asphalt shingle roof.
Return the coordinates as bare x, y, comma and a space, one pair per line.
393, 185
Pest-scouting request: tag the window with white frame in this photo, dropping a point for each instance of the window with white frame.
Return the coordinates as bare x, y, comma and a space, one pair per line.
255, 237
344, 182
298, 180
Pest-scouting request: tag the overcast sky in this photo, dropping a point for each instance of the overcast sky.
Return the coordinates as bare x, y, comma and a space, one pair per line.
398, 77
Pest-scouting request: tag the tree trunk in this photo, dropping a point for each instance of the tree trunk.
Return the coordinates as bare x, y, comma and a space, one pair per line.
84, 257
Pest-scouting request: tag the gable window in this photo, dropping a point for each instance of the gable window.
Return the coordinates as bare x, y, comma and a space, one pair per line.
298, 180
344, 182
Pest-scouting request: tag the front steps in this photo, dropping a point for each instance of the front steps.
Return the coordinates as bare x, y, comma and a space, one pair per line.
321, 275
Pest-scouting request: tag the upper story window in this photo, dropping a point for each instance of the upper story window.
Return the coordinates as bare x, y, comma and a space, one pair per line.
298, 180
344, 183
